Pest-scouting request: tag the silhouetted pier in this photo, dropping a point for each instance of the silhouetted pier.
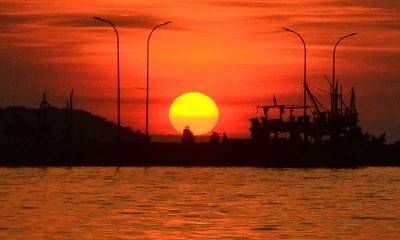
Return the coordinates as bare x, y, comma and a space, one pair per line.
240, 154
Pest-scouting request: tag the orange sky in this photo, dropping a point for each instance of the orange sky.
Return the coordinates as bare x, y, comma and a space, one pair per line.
233, 51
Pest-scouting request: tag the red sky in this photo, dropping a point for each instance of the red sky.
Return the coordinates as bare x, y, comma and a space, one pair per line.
233, 51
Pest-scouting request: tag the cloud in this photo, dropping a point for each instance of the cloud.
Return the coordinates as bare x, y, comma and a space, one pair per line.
127, 21
8, 20
390, 5
321, 25
246, 4
282, 4
78, 20
333, 14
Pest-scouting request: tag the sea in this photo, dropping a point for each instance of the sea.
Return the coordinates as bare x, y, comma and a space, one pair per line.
199, 203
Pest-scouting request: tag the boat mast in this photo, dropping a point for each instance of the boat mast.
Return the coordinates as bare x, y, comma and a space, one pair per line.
334, 93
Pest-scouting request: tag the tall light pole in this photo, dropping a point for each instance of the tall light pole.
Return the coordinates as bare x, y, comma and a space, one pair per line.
305, 69
147, 81
119, 98
334, 90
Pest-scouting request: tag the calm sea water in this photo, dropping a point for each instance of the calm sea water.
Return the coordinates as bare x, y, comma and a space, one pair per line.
199, 203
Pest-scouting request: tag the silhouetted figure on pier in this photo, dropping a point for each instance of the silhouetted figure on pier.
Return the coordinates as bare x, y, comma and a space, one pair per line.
214, 138
224, 138
188, 136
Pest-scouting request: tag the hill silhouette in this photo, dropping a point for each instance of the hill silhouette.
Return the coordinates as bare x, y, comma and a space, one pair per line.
18, 123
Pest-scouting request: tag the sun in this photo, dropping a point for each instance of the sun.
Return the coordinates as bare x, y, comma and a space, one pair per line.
196, 110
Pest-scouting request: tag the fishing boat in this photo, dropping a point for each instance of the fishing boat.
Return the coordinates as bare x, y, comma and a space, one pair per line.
320, 135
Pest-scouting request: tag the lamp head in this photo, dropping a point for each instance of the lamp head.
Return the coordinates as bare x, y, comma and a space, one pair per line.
167, 22
97, 18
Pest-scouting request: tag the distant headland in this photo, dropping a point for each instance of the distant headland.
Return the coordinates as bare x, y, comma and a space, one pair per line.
22, 124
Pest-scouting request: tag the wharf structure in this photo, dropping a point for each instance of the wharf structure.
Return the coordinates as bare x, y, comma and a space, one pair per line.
336, 125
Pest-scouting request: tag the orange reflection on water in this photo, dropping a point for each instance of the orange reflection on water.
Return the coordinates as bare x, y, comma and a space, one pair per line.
196, 203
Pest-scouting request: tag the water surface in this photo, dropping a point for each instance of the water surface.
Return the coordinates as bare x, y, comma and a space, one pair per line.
199, 203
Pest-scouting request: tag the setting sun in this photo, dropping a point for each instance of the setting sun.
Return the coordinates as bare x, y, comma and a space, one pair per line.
195, 110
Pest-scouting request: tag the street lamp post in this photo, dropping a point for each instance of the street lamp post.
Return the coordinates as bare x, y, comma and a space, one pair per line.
147, 80
305, 67
334, 90
119, 98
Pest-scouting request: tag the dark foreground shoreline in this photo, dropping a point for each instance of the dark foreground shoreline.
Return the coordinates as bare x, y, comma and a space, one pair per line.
199, 154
